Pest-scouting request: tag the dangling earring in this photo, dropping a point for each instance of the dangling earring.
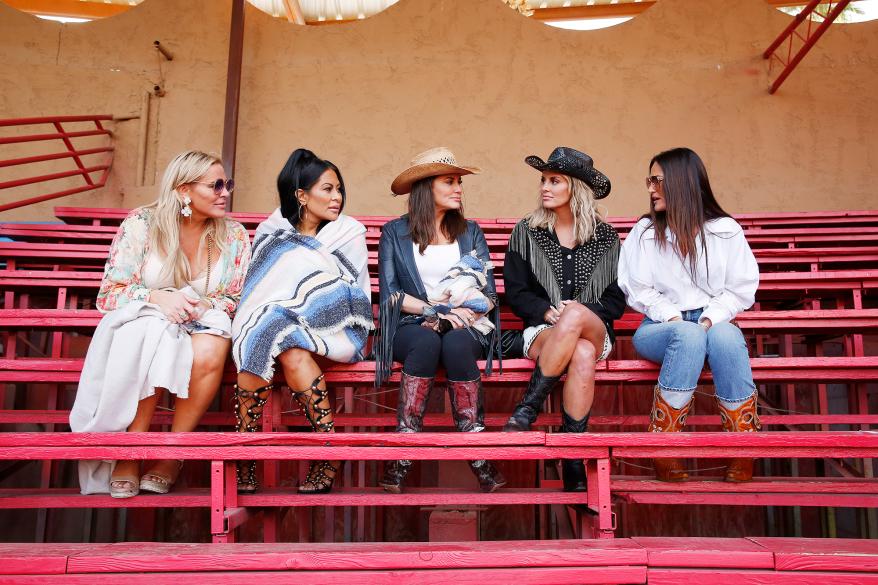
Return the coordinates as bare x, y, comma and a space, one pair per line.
186, 211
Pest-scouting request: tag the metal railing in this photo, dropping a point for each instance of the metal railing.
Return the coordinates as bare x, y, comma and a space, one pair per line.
66, 137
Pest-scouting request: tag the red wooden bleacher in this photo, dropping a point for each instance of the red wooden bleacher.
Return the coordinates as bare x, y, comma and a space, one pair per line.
818, 273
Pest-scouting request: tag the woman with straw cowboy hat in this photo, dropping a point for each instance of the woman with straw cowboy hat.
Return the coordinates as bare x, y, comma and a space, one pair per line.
560, 275
418, 253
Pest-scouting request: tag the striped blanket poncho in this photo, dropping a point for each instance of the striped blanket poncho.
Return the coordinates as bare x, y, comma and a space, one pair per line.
303, 292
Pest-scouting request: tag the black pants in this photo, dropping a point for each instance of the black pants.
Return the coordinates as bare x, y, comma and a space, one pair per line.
420, 350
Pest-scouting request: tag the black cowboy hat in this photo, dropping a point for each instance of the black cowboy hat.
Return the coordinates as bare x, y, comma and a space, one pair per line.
569, 161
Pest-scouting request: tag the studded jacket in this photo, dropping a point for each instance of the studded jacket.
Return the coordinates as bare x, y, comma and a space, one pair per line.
536, 261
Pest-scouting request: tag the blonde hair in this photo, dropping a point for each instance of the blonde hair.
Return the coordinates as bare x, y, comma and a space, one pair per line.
164, 229
583, 206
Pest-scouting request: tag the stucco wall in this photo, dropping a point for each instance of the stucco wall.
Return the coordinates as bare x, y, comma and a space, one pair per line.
474, 76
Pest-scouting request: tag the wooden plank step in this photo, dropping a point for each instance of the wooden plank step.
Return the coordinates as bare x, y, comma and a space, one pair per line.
519, 576
719, 553
818, 554
153, 557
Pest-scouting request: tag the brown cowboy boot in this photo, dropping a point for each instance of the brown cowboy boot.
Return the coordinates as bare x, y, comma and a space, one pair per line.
413, 395
469, 417
743, 419
666, 419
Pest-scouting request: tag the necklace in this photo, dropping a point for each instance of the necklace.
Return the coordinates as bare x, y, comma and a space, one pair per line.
209, 261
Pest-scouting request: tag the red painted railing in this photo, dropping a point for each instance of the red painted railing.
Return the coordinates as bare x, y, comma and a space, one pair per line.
65, 137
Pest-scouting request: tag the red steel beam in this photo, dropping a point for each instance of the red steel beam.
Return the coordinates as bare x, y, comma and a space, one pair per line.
809, 41
58, 155
56, 136
51, 177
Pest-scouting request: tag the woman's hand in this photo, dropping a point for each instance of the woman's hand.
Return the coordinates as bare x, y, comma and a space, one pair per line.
551, 315
176, 306
706, 323
461, 317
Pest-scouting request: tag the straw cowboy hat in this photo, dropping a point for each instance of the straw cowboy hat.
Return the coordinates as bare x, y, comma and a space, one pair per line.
569, 161
431, 163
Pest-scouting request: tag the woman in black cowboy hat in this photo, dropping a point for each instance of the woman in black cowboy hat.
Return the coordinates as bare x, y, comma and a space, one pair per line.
560, 275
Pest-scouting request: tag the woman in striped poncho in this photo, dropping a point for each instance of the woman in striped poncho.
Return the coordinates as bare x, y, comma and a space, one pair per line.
306, 300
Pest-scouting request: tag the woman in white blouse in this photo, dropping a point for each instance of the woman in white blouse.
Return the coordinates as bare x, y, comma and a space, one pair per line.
687, 267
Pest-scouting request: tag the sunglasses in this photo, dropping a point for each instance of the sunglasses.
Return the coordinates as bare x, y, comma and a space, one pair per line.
219, 185
654, 181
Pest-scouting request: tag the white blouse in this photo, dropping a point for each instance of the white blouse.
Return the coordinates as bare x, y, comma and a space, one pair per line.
435, 263
657, 282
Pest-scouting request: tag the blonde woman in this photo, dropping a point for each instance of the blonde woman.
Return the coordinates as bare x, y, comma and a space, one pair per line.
560, 275
170, 286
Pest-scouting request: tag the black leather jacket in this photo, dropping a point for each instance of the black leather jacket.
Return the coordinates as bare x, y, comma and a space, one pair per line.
398, 273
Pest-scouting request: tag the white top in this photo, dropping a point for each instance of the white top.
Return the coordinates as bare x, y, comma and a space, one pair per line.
656, 282
152, 276
435, 263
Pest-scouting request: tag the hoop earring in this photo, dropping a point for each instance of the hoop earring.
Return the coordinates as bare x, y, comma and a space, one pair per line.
302, 207
186, 211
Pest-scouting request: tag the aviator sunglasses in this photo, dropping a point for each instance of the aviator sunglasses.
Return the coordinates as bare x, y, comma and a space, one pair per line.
219, 185
654, 181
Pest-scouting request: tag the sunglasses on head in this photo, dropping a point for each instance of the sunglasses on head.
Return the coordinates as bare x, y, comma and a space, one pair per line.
654, 181
219, 185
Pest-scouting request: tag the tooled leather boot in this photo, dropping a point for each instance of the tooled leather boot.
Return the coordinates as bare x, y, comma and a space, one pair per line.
573, 470
413, 395
744, 419
666, 419
467, 400
525, 413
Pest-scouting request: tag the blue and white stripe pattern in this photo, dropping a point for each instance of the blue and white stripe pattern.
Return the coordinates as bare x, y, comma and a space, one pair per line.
298, 294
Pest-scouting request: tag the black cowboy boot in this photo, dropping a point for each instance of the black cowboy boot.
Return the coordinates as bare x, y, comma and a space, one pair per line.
467, 400
573, 470
413, 394
525, 414
248, 410
321, 474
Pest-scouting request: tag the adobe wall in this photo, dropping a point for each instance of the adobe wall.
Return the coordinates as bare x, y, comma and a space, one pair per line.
477, 77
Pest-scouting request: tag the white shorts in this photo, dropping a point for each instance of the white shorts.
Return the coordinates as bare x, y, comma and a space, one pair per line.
531, 333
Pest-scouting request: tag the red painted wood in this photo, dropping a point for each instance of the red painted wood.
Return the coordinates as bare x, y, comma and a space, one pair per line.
519, 576
302, 453
818, 554
829, 485
737, 553
283, 497
515, 372
23, 498
162, 557
39, 559
663, 576
752, 499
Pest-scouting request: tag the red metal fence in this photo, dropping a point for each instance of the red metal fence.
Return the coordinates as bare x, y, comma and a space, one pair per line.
77, 155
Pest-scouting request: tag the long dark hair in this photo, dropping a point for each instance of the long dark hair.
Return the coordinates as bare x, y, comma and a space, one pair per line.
422, 216
302, 171
689, 203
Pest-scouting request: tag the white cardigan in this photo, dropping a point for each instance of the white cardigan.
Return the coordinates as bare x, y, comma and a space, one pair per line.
657, 283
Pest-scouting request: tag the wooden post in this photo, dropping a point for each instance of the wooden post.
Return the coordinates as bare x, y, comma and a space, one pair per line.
233, 91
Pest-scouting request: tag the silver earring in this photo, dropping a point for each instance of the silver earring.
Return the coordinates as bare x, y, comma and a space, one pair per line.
186, 211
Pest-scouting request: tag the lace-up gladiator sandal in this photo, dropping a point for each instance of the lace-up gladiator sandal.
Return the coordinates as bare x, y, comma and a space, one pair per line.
321, 474
248, 410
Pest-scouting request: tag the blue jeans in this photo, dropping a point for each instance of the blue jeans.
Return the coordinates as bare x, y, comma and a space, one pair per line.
681, 348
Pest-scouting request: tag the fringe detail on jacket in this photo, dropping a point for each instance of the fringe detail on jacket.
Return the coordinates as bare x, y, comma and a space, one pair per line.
389, 313
603, 274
